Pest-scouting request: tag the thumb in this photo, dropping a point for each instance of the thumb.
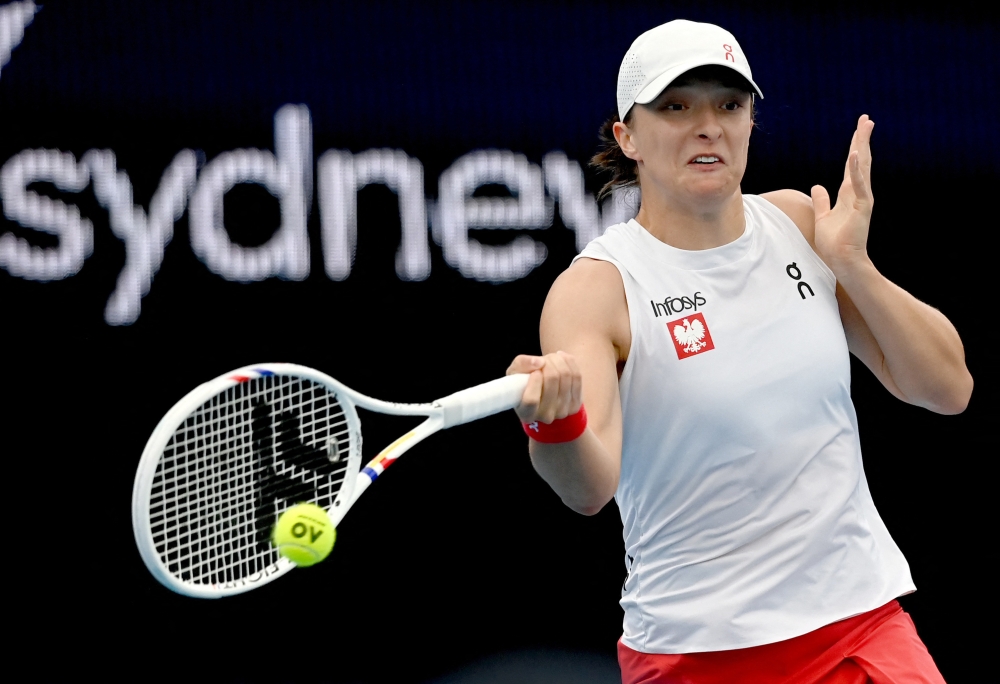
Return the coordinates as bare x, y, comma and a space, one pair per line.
821, 200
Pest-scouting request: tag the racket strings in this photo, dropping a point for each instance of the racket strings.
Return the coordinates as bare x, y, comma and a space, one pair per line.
234, 465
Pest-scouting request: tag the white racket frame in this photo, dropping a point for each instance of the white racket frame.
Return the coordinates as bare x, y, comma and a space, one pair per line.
461, 407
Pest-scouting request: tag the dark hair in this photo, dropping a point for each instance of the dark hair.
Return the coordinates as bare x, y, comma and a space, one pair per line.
611, 162
622, 172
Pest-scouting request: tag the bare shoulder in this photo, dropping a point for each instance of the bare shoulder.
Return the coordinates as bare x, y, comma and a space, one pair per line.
797, 206
587, 303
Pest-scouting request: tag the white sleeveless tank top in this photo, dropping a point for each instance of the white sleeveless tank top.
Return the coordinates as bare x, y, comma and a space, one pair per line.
747, 517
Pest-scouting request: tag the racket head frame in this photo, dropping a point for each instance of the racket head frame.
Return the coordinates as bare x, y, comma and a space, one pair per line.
353, 483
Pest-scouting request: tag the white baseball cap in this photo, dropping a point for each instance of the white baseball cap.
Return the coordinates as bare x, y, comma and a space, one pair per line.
660, 55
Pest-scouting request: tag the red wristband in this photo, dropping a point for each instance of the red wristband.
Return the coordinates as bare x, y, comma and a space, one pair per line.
559, 430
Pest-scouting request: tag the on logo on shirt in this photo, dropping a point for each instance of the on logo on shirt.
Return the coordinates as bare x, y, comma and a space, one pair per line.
690, 335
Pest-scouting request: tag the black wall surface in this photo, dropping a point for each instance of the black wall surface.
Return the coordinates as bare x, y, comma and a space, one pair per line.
460, 552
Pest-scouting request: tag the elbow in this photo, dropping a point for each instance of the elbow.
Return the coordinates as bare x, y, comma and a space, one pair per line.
592, 500
592, 504
585, 509
955, 398
960, 401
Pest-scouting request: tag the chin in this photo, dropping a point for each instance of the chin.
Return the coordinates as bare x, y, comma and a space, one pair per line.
712, 190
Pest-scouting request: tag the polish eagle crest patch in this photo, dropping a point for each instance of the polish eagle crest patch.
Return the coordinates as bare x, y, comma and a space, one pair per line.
690, 335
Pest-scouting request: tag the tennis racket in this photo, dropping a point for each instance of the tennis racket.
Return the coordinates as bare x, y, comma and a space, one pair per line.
236, 452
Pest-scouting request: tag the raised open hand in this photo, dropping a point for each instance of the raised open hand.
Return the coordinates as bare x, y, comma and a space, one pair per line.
842, 232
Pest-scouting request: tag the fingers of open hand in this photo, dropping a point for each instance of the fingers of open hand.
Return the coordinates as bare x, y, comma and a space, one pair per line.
861, 143
865, 128
859, 184
862, 134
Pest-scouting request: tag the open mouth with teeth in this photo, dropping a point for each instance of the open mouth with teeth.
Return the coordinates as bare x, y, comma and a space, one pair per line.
706, 159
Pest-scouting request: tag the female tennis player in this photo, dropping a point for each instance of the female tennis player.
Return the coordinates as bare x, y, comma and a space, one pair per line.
708, 339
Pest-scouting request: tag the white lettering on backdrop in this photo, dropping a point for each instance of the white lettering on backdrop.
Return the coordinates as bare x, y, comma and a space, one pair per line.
75, 233
14, 17
287, 174
341, 176
458, 212
145, 237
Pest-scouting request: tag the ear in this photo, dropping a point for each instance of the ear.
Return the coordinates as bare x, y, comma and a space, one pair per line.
626, 140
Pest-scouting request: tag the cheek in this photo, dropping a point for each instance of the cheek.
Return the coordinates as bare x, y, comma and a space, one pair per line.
741, 144
668, 147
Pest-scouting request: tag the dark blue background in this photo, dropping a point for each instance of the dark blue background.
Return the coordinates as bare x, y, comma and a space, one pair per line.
461, 552
524, 75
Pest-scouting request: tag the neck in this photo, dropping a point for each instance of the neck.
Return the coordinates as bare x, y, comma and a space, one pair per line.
691, 226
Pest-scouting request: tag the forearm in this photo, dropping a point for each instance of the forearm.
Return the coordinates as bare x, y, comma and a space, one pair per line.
581, 472
917, 347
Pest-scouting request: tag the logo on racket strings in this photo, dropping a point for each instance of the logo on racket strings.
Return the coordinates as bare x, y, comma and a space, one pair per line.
287, 470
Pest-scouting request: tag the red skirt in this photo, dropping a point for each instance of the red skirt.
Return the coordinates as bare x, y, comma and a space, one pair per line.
881, 647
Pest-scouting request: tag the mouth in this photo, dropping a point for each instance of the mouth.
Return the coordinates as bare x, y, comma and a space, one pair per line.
706, 160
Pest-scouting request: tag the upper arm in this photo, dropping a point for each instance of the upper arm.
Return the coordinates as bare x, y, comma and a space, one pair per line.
862, 343
586, 315
797, 206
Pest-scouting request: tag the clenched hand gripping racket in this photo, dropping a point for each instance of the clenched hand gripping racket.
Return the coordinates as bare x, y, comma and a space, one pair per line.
237, 451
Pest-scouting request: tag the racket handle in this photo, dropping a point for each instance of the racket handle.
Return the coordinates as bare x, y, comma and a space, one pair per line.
483, 400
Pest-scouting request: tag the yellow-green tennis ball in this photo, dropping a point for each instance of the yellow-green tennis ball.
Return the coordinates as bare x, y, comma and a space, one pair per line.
304, 534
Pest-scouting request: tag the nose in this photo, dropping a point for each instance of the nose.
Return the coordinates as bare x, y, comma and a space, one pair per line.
707, 125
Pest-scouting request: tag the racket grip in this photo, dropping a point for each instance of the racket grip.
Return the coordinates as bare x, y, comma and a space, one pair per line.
483, 400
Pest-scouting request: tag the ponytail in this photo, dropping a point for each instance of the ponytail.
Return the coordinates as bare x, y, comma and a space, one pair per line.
611, 162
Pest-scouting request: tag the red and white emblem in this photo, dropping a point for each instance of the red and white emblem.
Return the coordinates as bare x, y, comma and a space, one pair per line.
690, 335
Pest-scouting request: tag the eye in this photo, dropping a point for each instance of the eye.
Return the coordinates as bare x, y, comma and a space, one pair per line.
673, 106
731, 106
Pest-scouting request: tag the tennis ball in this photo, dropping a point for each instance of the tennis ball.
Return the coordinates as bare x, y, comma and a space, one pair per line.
304, 534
